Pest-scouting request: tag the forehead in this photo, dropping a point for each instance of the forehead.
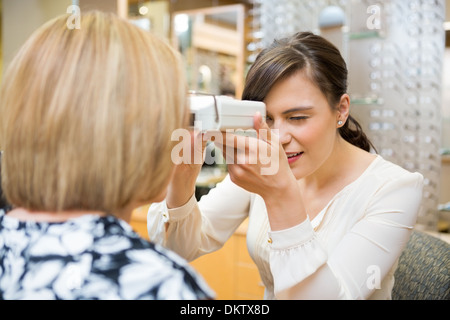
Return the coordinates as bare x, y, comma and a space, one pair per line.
296, 90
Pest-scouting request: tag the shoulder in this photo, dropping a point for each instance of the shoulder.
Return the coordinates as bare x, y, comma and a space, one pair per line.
390, 172
385, 183
144, 270
395, 190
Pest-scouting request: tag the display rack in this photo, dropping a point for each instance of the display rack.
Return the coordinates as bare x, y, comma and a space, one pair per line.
394, 52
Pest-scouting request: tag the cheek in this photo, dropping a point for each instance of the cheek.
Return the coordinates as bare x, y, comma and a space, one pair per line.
312, 134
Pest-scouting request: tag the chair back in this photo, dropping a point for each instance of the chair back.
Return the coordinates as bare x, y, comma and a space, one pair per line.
423, 271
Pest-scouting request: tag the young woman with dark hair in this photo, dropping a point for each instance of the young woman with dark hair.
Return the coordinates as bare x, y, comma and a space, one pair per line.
331, 222
325, 66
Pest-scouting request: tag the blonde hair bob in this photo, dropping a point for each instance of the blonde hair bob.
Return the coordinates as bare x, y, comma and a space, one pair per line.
87, 116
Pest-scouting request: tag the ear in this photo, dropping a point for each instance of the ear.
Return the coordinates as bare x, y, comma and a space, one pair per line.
343, 109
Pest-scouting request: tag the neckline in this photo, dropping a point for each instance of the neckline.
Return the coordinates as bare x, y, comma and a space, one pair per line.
17, 222
319, 217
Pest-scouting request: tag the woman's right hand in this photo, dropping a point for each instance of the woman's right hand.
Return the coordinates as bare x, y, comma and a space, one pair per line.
182, 185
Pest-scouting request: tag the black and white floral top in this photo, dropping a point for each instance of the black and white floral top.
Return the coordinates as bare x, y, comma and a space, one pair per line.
90, 257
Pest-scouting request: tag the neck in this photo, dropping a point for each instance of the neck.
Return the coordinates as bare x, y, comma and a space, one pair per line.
334, 167
62, 216
44, 216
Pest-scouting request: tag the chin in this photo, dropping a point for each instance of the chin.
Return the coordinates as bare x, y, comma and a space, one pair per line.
300, 171
298, 174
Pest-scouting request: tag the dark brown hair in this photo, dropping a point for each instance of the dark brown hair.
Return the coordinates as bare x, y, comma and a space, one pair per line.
323, 64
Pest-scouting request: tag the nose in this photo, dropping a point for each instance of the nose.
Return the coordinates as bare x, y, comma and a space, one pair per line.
285, 137
283, 132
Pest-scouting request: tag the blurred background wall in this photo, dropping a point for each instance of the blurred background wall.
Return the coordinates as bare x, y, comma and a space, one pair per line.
398, 61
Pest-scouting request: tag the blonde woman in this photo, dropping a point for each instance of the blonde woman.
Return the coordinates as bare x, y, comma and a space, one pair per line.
87, 117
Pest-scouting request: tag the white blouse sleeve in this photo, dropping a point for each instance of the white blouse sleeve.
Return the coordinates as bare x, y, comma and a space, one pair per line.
199, 228
302, 269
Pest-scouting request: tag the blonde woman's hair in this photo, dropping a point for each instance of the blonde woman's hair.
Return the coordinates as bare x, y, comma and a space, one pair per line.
87, 116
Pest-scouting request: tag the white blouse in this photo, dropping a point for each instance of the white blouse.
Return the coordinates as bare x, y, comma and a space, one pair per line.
348, 251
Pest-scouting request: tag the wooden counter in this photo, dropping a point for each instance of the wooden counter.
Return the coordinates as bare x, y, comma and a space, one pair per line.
445, 158
139, 221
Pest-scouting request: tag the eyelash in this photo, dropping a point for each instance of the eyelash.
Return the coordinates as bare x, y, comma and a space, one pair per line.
299, 118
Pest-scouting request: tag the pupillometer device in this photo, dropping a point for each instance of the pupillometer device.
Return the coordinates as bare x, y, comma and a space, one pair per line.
211, 112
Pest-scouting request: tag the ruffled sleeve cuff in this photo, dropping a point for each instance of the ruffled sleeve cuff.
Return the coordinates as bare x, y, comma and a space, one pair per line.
159, 215
180, 213
295, 254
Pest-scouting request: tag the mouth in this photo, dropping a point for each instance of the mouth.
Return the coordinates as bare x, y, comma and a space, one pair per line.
291, 155
294, 156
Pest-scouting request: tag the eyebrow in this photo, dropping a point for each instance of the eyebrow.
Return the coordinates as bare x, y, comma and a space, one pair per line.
300, 108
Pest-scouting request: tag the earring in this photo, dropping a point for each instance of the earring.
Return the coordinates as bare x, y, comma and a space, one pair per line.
340, 123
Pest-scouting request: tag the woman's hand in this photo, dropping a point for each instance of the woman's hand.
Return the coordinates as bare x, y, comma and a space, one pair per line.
257, 164
260, 165
182, 185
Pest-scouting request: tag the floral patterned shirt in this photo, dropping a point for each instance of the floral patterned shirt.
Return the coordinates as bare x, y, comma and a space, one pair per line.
90, 257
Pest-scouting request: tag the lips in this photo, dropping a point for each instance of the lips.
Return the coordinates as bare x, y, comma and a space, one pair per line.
292, 155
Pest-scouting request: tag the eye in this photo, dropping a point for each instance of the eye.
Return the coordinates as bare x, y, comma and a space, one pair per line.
299, 118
